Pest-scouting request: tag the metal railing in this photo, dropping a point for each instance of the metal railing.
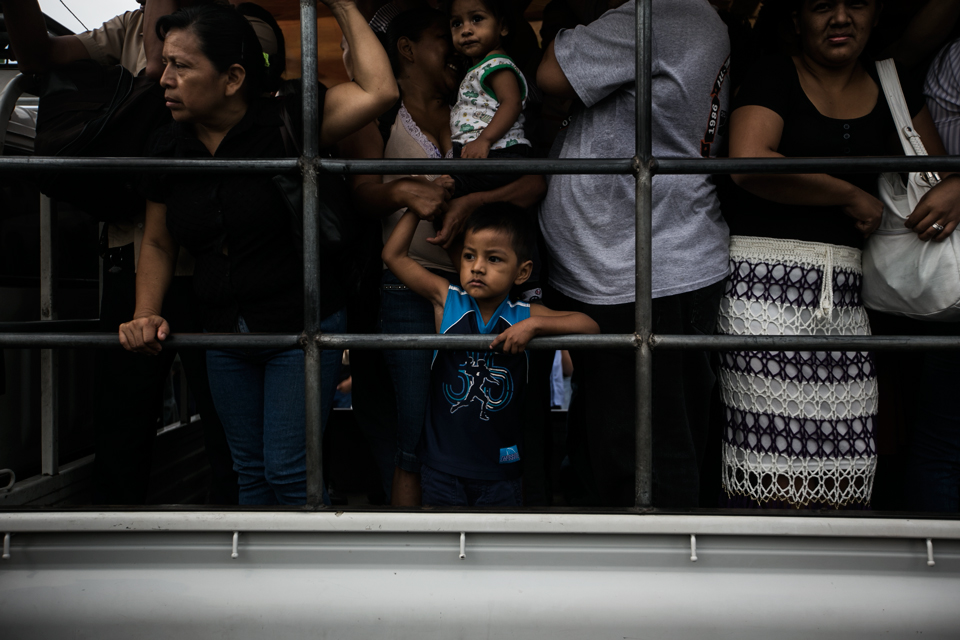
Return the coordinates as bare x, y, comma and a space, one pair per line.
643, 166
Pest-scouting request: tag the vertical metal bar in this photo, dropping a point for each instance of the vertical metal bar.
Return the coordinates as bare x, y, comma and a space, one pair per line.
49, 358
311, 262
644, 230
48, 294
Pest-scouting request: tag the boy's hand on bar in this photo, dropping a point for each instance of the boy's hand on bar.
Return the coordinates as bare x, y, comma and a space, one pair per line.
516, 338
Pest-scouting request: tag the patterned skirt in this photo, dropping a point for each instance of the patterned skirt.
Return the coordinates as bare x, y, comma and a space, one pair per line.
799, 425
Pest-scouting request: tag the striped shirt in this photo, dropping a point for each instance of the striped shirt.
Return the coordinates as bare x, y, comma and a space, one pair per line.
942, 90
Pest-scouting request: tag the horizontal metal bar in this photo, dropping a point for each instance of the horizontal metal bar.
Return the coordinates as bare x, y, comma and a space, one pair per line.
180, 340
665, 166
489, 165
386, 166
479, 343
635, 523
43, 164
282, 165
326, 341
662, 166
469, 342
806, 343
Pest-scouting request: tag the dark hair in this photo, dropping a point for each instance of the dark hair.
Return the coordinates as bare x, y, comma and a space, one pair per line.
226, 38
510, 219
503, 10
410, 25
278, 59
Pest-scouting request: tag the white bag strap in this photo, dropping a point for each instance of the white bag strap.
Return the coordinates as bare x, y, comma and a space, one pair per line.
909, 138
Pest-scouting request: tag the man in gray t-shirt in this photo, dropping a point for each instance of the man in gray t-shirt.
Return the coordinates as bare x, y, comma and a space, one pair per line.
588, 222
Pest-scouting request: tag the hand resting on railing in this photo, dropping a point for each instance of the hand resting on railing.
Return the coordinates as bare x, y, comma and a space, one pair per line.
144, 335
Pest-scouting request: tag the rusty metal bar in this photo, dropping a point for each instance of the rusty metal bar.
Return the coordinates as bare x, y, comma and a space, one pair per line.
49, 358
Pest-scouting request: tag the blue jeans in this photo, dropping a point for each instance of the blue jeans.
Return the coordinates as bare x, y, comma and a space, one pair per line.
933, 464
444, 490
403, 311
259, 396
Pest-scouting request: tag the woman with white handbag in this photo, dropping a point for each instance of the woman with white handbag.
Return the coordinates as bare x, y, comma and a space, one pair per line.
800, 426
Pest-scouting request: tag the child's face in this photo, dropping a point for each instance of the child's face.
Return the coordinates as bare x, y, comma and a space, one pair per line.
489, 266
476, 31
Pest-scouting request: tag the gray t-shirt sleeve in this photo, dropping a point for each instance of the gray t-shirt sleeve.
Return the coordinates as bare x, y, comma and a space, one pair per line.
600, 57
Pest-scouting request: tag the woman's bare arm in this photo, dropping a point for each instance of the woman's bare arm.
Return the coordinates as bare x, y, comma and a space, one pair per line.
427, 199
158, 257
523, 192
376, 198
551, 78
350, 106
755, 132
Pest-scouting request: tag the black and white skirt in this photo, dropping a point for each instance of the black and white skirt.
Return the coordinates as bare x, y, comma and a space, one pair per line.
799, 425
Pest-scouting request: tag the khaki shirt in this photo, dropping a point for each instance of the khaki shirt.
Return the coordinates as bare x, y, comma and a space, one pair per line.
120, 41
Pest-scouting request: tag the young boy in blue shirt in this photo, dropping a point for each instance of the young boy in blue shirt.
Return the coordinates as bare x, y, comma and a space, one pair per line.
471, 446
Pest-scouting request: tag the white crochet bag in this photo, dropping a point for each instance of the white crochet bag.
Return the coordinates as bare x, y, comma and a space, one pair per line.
902, 275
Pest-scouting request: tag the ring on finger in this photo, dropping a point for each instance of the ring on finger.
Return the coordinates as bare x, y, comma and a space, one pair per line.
936, 225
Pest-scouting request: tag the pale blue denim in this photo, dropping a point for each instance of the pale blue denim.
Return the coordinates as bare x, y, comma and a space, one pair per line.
259, 395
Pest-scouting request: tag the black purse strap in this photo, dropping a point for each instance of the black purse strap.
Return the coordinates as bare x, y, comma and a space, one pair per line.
290, 144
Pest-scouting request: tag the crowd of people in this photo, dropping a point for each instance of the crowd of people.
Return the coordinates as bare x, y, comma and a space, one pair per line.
518, 256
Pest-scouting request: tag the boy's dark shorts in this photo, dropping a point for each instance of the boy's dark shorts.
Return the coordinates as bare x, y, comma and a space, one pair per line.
444, 490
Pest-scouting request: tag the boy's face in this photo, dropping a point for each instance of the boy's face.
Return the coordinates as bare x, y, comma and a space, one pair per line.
489, 266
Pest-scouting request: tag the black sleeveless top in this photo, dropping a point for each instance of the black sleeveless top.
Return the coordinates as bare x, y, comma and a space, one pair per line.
773, 83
